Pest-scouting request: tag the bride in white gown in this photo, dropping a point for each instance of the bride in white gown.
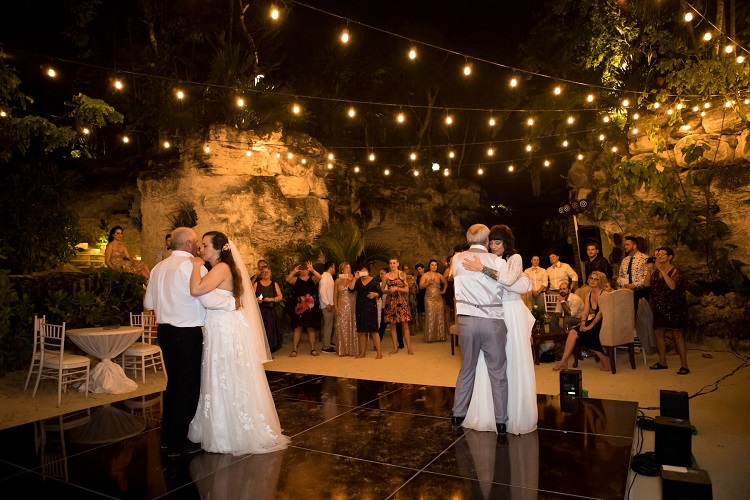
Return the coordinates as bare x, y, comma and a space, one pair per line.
236, 412
522, 408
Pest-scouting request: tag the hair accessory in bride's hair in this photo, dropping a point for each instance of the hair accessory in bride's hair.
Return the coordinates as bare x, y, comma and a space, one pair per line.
226, 247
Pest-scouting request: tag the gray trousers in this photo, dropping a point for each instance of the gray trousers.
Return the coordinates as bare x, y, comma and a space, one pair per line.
329, 317
487, 335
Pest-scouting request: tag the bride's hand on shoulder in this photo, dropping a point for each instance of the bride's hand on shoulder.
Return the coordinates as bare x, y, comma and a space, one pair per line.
472, 265
197, 260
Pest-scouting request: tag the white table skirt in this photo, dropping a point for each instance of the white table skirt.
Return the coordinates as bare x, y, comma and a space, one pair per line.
106, 377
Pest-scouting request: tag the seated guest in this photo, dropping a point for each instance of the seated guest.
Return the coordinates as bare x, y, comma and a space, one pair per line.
560, 272
116, 255
588, 331
596, 262
569, 308
164, 251
539, 280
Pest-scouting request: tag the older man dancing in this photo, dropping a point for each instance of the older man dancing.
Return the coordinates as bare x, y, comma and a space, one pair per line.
480, 328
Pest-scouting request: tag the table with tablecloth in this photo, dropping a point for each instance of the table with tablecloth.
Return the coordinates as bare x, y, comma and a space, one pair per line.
106, 343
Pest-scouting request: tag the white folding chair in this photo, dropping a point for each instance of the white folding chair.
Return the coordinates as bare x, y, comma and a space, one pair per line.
36, 353
550, 302
56, 364
144, 354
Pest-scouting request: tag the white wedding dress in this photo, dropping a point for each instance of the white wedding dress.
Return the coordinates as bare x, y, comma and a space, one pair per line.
522, 408
236, 413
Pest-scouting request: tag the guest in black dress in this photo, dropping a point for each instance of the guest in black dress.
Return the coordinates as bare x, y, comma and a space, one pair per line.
303, 308
268, 294
368, 291
669, 304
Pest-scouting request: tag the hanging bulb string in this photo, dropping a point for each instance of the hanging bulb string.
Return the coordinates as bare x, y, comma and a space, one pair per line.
737, 44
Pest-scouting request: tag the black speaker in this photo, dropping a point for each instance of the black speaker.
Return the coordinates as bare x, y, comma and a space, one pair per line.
675, 404
673, 441
678, 483
570, 383
570, 404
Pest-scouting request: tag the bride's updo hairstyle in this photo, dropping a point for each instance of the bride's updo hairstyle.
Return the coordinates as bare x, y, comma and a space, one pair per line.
220, 242
503, 233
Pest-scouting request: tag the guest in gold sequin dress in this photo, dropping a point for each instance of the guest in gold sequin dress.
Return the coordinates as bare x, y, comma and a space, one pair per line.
434, 284
116, 255
343, 302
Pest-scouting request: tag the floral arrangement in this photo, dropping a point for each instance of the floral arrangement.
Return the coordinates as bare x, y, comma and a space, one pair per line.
305, 302
539, 313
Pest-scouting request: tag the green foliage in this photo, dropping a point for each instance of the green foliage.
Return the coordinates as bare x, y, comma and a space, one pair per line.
184, 216
345, 243
8, 300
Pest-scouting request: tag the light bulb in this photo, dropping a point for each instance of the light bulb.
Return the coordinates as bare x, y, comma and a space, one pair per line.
707, 105
371, 157
207, 149
740, 59
746, 101
240, 102
510, 168
580, 156
356, 170
490, 152
530, 122
387, 172
728, 104
636, 116
449, 120
330, 156
303, 161
248, 153
571, 120
296, 109
274, 13
685, 127
605, 119
166, 145
480, 171
513, 82
695, 109
413, 156
125, 139
290, 156
614, 149
657, 105
51, 73
669, 111
345, 36
680, 106
528, 148
412, 53
634, 130
3, 114
492, 122
118, 84
707, 36
590, 98
625, 103
546, 163
400, 118
451, 154
688, 16
565, 143
728, 49
467, 69
180, 94
278, 155
703, 113
351, 113
435, 167
85, 131
416, 173
602, 137
446, 172
558, 90
330, 166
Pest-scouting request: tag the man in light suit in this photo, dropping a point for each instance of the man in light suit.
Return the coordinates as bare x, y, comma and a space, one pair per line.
480, 327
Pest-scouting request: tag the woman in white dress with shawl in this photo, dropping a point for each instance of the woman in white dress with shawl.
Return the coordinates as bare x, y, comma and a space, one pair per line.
522, 407
236, 413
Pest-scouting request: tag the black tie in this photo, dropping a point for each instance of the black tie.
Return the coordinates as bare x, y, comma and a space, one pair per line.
630, 271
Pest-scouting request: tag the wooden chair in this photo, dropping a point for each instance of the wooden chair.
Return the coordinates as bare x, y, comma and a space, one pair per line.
36, 353
618, 324
58, 365
142, 355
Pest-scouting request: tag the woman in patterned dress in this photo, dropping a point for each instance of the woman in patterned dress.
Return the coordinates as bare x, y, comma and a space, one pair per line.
434, 284
343, 303
397, 306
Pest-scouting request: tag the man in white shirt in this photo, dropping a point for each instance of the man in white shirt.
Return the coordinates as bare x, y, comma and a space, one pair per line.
325, 293
632, 273
559, 272
569, 307
180, 317
539, 281
480, 327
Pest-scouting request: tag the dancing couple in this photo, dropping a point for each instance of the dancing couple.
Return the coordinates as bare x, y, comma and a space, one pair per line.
496, 386
217, 397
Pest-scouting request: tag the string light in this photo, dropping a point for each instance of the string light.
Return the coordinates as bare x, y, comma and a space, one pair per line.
571, 120
85, 131
413, 156
530, 122
510, 168
636, 116
3, 114
625, 103
546, 163
207, 149
492, 122
330, 166
290, 156
680, 106
416, 173
51, 73
685, 127
634, 130
449, 120
580, 156
446, 172
330, 157
746, 101
605, 119
728, 49
125, 139
356, 170
657, 105
669, 111
528, 148
166, 145
435, 167
728, 104
590, 98
565, 143
558, 90
371, 157
296, 109
345, 36
695, 109
118, 84
688, 16
490, 152
387, 172
352, 113
278, 155
707, 36
413, 53
303, 161
400, 118
467, 69
250, 153
614, 149
740, 59
274, 13
451, 154
480, 171
703, 113
602, 137
513, 82
240, 102
707, 105
180, 94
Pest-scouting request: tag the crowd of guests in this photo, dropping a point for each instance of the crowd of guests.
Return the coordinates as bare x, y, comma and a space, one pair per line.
350, 307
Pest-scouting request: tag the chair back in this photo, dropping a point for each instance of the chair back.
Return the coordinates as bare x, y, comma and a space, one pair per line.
147, 321
52, 338
582, 292
618, 317
38, 322
550, 302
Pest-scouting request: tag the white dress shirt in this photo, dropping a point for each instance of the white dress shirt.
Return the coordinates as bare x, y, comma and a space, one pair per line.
325, 290
475, 294
538, 277
168, 293
574, 302
560, 273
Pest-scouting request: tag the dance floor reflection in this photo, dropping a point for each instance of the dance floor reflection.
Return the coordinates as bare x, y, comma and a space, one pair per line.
350, 439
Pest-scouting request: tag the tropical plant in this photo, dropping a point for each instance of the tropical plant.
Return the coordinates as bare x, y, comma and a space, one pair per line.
344, 243
184, 216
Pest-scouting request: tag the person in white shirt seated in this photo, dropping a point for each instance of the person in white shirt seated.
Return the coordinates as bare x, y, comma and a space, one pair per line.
568, 309
560, 272
539, 280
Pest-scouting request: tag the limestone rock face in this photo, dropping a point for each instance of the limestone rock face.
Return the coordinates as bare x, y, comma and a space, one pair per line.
261, 200
724, 145
640, 145
722, 121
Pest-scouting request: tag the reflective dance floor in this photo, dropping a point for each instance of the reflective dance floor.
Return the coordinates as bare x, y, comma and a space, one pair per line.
351, 438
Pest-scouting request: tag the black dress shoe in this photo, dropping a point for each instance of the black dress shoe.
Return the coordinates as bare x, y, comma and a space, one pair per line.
502, 430
457, 421
172, 453
191, 448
